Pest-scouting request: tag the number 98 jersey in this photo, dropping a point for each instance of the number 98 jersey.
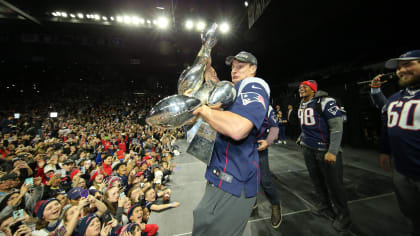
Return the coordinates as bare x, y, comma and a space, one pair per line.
402, 135
315, 132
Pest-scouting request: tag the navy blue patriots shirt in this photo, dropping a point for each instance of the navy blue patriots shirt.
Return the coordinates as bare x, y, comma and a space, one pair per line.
234, 165
315, 132
401, 137
269, 121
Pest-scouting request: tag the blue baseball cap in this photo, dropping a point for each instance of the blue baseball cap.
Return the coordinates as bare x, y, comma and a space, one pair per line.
408, 56
74, 193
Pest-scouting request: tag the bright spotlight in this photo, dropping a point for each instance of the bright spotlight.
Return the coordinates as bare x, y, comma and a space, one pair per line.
72, 16
201, 25
224, 28
189, 24
148, 22
142, 21
80, 15
246, 3
16, 115
104, 18
163, 22
97, 17
154, 22
58, 13
63, 14
135, 20
53, 114
119, 19
127, 19
54, 14
112, 18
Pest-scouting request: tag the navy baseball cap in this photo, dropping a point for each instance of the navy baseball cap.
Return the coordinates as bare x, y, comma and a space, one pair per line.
243, 57
408, 56
74, 193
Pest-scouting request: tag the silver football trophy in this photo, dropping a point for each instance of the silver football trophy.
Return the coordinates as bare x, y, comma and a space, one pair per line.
193, 91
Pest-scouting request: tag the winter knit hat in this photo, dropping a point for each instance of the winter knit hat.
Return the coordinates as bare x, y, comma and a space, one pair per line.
311, 83
84, 223
40, 207
131, 210
127, 228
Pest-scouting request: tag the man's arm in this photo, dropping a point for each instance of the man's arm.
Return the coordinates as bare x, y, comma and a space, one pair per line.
378, 98
336, 133
272, 135
226, 122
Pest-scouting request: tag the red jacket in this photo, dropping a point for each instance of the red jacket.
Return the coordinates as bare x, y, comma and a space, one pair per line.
107, 169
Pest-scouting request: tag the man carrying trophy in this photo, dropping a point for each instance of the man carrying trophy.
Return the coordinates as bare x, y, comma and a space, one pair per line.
233, 173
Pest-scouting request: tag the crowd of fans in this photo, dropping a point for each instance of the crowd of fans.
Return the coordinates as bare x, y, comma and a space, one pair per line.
93, 170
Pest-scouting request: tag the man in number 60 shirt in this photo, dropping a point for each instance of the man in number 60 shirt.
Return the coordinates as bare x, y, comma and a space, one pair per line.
322, 128
401, 135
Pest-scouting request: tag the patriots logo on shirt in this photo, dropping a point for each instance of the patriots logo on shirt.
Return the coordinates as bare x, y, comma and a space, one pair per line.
250, 97
333, 110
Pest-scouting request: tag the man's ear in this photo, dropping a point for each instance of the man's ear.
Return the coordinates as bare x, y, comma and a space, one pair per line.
254, 69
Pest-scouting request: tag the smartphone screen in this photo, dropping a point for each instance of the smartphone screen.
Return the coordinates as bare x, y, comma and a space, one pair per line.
18, 214
29, 181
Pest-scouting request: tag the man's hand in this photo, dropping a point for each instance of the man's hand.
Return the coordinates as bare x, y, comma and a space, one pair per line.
385, 161
330, 158
262, 145
298, 140
376, 82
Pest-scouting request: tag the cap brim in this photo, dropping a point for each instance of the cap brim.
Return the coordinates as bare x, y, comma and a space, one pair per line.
229, 60
392, 63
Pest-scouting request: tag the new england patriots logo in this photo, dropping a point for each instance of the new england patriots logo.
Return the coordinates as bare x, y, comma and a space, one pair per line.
250, 97
333, 110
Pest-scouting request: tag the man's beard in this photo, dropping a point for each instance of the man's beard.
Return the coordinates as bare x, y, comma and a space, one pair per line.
412, 82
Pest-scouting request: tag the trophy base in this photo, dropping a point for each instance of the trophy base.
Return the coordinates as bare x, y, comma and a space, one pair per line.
202, 144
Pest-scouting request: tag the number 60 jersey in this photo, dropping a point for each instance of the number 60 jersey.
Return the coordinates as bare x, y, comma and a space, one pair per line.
401, 137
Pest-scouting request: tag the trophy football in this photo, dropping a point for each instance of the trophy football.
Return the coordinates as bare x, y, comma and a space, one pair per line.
195, 89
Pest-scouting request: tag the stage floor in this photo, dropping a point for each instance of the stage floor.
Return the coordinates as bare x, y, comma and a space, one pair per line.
373, 206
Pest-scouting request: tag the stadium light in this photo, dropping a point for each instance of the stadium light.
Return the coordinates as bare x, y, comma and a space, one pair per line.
142, 21
112, 18
80, 15
72, 16
224, 27
54, 14
104, 18
16, 115
189, 24
135, 20
246, 3
163, 22
148, 22
64, 14
127, 19
160, 8
201, 25
58, 13
119, 19
97, 17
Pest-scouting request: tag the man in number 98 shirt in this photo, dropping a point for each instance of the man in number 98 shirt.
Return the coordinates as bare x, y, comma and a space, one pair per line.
322, 128
401, 135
